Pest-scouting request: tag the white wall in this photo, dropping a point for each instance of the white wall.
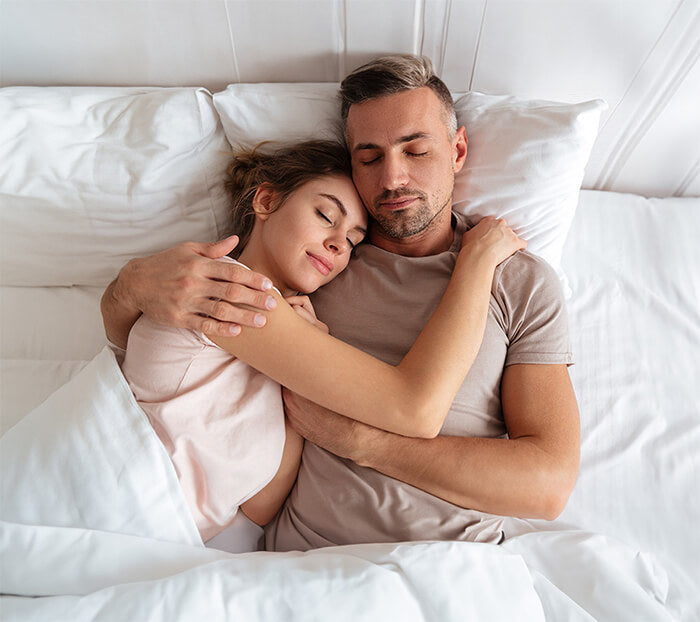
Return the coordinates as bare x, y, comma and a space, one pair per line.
639, 55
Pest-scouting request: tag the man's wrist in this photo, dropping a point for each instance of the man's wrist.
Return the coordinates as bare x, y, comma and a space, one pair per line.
365, 444
121, 292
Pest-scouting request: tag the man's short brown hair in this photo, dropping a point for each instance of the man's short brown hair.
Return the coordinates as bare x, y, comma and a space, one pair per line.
388, 75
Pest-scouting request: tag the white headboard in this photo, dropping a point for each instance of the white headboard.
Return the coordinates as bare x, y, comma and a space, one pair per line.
639, 55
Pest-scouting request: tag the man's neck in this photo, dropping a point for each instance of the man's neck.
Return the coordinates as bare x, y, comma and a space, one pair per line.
435, 238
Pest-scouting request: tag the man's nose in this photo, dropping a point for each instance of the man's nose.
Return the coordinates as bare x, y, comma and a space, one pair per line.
394, 173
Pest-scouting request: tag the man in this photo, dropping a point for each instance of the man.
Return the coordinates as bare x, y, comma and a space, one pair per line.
510, 444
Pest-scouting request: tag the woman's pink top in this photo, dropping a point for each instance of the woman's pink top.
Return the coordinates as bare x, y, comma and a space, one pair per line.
221, 421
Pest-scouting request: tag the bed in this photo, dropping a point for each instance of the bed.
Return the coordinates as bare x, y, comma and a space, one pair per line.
585, 140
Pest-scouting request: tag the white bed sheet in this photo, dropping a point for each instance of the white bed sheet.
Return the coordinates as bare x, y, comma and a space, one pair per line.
633, 267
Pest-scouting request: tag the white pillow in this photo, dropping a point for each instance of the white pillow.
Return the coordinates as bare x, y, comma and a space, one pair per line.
525, 160
525, 163
92, 177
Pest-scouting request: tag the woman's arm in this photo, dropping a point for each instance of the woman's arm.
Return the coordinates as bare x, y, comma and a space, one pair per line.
411, 398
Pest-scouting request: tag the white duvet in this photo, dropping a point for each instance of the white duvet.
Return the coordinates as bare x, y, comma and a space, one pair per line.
95, 525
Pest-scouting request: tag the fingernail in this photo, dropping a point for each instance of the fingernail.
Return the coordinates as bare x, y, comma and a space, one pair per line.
235, 330
267, 284
259, 320
270, 303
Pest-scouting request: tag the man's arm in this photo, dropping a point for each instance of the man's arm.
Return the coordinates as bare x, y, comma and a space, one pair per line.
185, 286
530, 474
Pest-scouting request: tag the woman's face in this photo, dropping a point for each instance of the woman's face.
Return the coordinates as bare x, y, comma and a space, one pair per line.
308, 239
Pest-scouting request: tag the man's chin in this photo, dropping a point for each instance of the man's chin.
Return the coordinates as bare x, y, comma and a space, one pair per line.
403, 229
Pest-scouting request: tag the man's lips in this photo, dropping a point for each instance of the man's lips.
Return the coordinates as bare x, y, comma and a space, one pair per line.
323, 265
396, 204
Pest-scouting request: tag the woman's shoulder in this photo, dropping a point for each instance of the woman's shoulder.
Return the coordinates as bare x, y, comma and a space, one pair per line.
146, 330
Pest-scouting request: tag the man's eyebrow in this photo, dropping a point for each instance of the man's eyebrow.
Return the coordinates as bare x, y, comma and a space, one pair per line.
404, 139
341, 207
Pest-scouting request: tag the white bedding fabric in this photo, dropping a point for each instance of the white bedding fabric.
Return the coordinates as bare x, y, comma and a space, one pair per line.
92, 516
635, 326
634, 267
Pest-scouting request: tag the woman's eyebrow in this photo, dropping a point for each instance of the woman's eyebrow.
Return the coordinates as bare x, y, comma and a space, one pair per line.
335, 200
341, 207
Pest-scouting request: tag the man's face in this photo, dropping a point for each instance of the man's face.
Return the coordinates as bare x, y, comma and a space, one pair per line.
404, 161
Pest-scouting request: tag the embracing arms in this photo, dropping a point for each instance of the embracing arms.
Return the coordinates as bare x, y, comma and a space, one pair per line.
529, 475
411, 398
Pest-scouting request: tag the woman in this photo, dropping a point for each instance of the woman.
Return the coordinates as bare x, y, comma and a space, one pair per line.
215, 402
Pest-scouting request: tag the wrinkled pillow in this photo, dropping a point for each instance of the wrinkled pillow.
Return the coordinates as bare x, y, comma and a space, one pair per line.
92, 177
525, 163
525, 160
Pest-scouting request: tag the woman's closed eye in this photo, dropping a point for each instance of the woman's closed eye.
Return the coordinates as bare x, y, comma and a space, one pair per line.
326, 218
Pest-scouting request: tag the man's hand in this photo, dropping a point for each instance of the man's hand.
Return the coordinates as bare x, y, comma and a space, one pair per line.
323, 427
186, 287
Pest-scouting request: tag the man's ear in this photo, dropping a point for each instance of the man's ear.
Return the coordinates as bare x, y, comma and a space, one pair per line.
264, 201
460, 149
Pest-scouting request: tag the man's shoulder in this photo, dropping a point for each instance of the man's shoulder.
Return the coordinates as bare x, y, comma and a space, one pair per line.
525, 279
524, 264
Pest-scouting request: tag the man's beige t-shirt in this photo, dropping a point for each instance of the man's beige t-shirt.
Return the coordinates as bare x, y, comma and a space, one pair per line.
380, 304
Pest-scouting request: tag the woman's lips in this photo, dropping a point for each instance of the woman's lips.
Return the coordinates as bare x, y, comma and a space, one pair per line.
321, 264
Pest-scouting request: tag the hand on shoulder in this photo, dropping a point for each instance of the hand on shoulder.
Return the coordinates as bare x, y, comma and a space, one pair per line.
492, 239
186, 287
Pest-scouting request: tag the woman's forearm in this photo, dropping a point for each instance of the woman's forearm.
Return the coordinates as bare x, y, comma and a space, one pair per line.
443, 353
412, 398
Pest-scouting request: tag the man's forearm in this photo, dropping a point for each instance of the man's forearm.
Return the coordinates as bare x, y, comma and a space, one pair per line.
529, 475
493, 475
117, 317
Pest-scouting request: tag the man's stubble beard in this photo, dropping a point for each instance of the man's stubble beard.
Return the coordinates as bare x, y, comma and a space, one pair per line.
411, 221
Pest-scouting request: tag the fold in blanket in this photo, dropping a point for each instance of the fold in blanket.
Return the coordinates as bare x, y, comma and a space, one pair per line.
88, 457
129, 578
94, 524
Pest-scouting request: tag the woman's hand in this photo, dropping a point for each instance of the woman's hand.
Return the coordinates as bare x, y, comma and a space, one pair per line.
492, 238
302, 305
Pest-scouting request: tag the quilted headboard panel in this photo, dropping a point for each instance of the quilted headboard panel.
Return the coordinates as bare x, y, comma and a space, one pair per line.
641, 56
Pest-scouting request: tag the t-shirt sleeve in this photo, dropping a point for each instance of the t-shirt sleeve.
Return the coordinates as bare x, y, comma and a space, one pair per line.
531, 300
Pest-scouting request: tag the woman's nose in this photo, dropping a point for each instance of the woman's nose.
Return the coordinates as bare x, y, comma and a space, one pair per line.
336, 244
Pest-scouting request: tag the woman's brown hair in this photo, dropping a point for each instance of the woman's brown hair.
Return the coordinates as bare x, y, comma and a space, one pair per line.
285, 169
